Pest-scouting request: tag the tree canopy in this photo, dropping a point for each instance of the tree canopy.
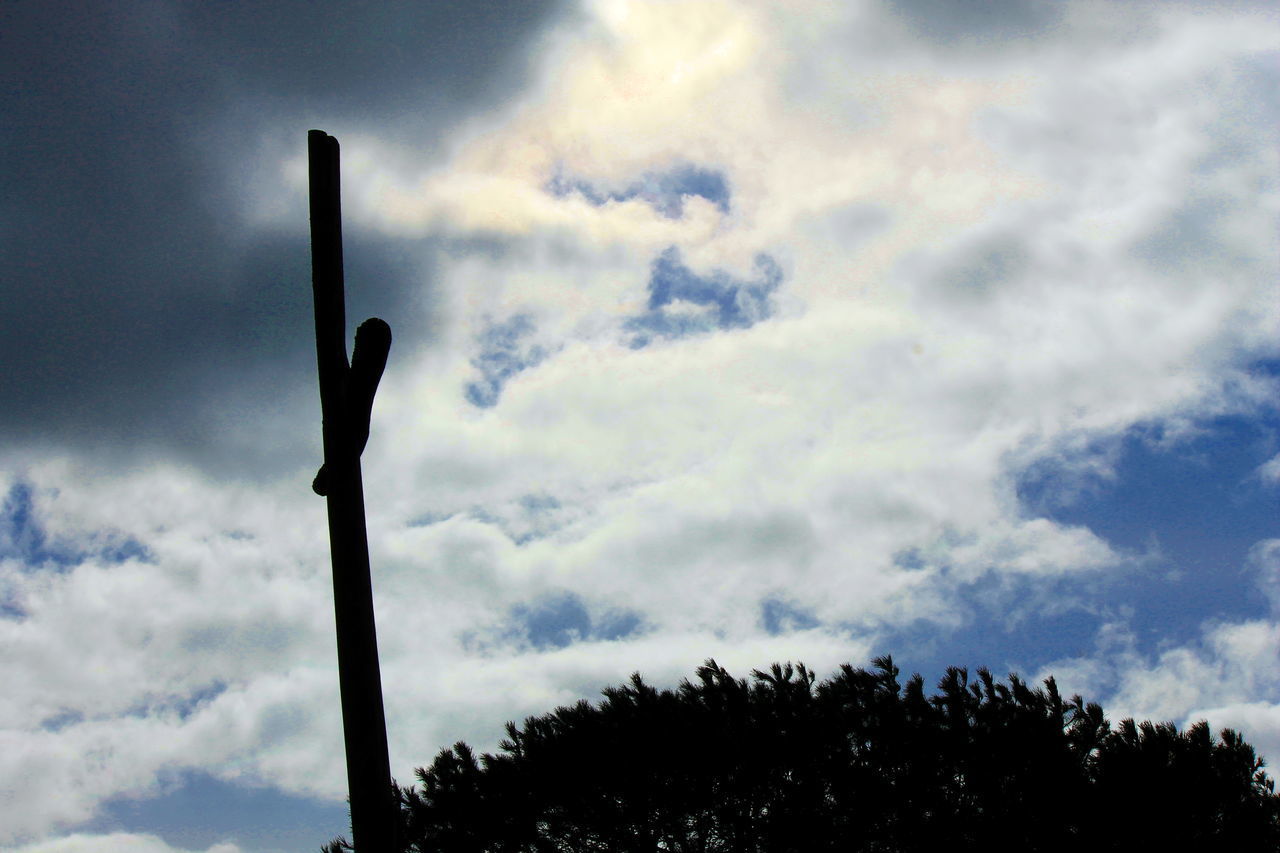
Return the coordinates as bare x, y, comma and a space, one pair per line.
860, 762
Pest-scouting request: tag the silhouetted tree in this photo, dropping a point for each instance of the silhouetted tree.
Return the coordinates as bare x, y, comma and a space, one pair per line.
857, 763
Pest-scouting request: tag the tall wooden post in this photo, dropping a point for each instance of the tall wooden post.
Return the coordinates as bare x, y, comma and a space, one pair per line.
346, 397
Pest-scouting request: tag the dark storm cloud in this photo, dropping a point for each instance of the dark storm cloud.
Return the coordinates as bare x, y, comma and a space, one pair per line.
141, 314
947, 22
384, 56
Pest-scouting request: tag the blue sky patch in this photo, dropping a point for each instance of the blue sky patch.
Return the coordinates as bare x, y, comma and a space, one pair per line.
429, 518
528, 517
911, 559
663, 191
682, 303
59, 721
560, 620
503, 353
23, 538
523, 520
1024, 647
1196, 503
11, 608
779, 617
199, 810
128, 549
538, 503
182, 705
1269, 367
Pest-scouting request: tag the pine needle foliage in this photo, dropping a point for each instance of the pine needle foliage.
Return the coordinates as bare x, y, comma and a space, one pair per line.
861, 762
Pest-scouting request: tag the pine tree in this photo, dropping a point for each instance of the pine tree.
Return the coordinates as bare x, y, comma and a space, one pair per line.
860, 762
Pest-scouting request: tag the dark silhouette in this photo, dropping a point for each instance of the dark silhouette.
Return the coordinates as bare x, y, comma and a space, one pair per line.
346, 401
368, 360
857, 763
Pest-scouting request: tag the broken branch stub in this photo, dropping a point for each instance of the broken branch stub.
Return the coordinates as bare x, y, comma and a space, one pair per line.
368, 360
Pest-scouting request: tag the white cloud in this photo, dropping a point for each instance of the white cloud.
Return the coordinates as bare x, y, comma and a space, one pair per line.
1269, 471
1264, 564
1230, 676
118, 842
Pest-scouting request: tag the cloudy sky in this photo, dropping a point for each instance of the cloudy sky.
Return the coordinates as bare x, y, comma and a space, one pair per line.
758, 331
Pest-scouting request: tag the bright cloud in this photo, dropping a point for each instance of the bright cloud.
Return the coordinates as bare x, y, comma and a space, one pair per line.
119, 842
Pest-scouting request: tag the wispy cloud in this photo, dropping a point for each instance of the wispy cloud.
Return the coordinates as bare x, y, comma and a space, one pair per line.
664, 191
503, 354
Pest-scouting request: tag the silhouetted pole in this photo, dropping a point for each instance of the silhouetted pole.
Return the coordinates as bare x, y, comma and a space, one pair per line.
346, 400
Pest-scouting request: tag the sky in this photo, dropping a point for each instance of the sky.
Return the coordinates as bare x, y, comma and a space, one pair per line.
723, 329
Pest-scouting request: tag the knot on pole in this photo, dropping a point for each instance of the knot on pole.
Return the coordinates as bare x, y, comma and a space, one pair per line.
368, 360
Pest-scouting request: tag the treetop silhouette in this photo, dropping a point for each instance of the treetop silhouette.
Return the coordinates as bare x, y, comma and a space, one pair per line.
859, 762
